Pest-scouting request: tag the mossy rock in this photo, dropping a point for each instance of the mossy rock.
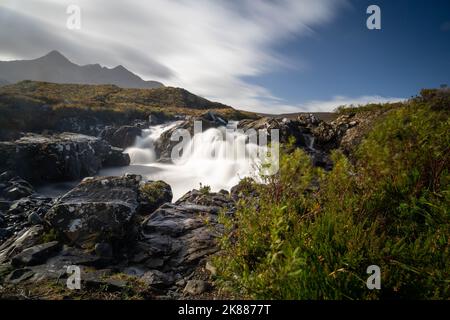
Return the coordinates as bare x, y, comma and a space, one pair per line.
153, 194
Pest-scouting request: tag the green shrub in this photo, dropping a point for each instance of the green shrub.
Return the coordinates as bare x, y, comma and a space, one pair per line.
312, 234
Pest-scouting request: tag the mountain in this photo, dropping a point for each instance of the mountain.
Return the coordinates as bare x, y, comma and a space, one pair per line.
54, 67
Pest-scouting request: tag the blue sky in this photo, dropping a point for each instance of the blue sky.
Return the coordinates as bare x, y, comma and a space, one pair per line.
344, 58
259, 55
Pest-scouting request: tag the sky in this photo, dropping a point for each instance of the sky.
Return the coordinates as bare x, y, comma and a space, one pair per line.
270, 56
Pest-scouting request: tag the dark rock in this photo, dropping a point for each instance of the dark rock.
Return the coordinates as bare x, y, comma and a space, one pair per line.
158, 279
103, 250
35, 255
116, 158
7, 175
4, 234
177, 237
14, 188
34, 218
65, 156
97, 210
19, 275
153, 194
18, 243
122, 137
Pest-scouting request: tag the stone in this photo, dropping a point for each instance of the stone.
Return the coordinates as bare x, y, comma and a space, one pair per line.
157, 279
35, 255
14, 188
59, 157
122, 137
34, 218
196, 287
97, 210
153, 194
23, 240
116, 158
103, 250
210, 268
183, 233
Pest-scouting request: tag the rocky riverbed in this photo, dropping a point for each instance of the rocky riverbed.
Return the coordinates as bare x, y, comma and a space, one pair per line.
124, 232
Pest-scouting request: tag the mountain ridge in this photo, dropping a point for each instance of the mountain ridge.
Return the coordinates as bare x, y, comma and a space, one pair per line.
55, 67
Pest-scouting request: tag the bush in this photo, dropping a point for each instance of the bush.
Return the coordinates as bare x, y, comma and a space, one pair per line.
312, 234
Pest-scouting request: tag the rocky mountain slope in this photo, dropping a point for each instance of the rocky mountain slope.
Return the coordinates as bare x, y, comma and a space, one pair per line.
54, 67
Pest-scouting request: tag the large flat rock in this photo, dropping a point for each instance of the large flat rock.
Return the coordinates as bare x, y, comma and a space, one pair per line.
65, 156
97, 210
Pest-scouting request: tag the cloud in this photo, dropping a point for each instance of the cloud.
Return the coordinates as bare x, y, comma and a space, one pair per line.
330, 105
208, 47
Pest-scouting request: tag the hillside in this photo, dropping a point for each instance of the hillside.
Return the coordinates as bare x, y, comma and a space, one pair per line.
36, 106
54, 67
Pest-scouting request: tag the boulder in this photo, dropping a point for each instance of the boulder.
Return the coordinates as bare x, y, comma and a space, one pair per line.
97, 210
35, 255
122, 137
65, 156
116, 158
153, 194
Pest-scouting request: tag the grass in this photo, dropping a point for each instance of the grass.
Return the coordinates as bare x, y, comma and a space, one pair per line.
38, 106
310, 234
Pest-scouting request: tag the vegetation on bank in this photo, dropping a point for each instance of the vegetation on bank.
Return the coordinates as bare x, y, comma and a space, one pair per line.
311, 234
37, 106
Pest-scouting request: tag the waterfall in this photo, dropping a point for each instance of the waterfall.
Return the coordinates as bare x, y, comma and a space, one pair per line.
143, 150
217, 157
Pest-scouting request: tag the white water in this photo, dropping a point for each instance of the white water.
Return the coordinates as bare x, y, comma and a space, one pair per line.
210, 162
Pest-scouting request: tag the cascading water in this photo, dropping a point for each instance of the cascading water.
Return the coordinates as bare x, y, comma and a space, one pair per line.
216, 157
143, 151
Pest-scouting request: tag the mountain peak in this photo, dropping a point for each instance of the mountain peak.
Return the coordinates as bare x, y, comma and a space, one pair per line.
55, 67
55, 56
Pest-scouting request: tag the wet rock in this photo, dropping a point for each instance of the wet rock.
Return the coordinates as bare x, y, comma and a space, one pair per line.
153, 194
116, 158
65, 156
35, 255
122, 137
97, 210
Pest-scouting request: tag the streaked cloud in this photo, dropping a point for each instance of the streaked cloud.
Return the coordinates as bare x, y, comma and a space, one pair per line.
211, 48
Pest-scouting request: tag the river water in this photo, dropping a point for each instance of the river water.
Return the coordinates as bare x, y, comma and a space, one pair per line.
207, 163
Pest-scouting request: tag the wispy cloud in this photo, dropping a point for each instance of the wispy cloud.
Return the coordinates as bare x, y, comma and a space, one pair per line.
208, 47
278, 107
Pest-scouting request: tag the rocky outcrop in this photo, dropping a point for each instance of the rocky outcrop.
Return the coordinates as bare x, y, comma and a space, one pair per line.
91, 225
66, 156
97, 210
